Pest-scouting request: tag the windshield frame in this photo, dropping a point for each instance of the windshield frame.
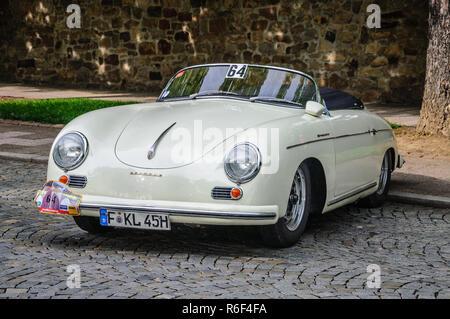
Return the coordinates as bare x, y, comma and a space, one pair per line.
161, 99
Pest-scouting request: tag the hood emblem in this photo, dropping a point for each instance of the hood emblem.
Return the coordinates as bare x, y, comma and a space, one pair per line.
145, 174
152, 150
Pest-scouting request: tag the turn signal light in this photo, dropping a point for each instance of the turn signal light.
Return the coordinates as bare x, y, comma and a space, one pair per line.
236, 193
64, 179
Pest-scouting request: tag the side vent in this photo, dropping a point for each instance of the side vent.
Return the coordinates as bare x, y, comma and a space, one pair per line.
234, 193
221, 193
77, 181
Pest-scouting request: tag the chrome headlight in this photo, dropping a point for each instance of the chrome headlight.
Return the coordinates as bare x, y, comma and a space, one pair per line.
242, 163
70, 150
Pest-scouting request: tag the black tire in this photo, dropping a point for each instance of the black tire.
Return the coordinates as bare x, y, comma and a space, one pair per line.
90, 224
380, 196
279, 235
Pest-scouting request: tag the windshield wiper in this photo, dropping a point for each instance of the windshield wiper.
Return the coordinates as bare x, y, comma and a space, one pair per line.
273, 99
206, 93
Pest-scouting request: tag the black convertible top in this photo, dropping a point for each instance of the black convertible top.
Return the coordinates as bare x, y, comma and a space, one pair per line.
339, 100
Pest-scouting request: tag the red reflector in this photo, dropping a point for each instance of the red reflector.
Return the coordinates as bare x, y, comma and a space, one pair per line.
64, 179
236, 193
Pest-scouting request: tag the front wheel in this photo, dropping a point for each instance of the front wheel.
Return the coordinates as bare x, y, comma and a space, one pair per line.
379, 197
288, 230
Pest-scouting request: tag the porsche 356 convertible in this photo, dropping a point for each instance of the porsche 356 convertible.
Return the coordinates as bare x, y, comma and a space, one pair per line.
224, 144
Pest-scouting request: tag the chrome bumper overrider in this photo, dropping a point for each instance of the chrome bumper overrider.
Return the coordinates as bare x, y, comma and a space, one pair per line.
184, 212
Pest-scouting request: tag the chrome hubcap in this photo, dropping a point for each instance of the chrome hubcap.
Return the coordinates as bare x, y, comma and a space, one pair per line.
297, 200
383, 175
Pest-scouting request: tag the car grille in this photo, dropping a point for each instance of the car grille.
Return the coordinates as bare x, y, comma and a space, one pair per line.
77, 181
221, 192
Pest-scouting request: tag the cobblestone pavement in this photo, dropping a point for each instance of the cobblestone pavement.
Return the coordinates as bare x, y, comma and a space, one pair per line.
410, 244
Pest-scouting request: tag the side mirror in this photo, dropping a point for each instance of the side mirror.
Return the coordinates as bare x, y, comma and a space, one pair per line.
314, 108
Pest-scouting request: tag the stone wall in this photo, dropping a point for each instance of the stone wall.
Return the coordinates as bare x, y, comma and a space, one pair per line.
139, 44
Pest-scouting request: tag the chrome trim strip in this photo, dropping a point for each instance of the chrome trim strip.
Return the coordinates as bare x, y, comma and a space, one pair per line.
373, 131
309, 142
184, 212
152, 150
351, 194
323, 135
384, 130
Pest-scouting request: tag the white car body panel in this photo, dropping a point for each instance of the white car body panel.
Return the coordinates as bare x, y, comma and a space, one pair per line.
150, 122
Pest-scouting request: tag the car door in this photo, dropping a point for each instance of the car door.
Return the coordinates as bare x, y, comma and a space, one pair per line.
354, 151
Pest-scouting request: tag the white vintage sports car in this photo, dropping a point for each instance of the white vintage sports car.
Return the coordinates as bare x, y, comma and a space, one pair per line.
224, 144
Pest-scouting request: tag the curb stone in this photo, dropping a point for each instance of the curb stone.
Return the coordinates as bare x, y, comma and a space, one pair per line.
24, 157
419, 199
36, 124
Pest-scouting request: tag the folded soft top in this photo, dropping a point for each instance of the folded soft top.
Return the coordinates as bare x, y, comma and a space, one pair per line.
339, 100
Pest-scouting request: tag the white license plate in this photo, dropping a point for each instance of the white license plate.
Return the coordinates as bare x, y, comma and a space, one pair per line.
134, 220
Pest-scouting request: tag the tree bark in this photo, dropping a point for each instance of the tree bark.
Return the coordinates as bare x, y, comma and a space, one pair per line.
435, 112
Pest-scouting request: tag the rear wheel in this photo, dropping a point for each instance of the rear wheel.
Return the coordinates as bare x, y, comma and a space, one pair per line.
379, 197
90, 224
288, 230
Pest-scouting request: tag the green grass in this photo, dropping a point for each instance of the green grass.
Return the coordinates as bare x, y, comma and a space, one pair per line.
61, 111
52, 111
394, 125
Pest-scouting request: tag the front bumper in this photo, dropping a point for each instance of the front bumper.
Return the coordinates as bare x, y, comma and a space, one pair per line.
190, 213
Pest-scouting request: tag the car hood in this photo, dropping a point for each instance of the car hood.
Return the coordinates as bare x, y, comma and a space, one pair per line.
178, 133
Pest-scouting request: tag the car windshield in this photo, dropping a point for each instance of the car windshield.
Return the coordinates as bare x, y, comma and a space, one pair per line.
256, 83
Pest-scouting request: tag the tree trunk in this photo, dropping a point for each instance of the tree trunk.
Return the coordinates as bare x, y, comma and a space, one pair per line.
435, 112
